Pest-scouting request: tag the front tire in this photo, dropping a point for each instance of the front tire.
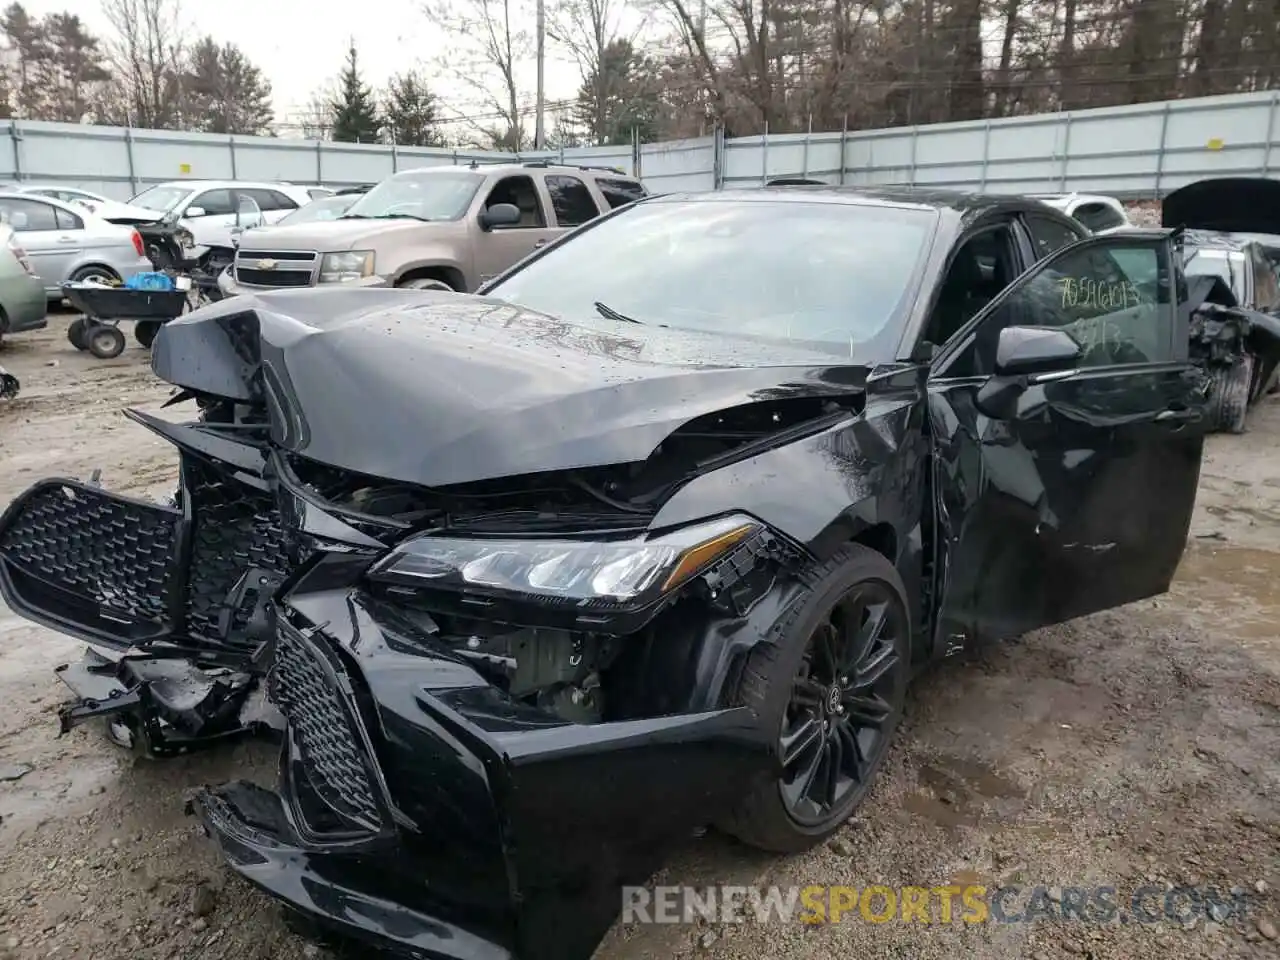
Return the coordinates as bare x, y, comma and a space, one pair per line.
425, 283
832, 681
1229, 395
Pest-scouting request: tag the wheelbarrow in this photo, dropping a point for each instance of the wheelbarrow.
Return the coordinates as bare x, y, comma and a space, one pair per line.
104, 308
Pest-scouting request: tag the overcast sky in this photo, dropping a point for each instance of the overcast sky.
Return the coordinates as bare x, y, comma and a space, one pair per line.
300, 44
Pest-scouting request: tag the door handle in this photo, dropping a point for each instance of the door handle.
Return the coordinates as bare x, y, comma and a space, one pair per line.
66, 239
540, 243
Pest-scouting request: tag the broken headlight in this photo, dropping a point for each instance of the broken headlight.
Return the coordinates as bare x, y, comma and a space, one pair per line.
345, 266
581, 571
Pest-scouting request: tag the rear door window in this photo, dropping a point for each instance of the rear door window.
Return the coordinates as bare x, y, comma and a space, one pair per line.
571, 201
1049, 235
620, 192
26, 216
67, 220
1098, 216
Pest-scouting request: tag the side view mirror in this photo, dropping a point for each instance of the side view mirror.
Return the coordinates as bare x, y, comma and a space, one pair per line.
1022, 351
500, 215
194, 212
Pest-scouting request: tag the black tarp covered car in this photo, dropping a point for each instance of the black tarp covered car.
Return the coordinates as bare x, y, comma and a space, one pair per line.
649, 535
1231, 232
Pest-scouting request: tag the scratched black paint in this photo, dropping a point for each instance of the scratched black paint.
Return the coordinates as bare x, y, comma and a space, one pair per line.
508, 829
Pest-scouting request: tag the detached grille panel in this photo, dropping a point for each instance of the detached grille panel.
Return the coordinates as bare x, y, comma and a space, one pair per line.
237, 528
309, 687
116, 553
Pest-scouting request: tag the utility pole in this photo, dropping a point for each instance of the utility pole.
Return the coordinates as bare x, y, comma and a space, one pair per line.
539, 129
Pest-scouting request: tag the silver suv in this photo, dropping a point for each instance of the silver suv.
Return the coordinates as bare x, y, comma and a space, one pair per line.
436, 227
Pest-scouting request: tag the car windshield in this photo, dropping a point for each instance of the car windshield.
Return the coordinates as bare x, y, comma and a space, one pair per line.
1214, 262
326, 208
161, 199
828, 274
419, 195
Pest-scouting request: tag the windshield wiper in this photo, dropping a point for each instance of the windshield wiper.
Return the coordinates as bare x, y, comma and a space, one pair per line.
353, 216
609, 313
399, 216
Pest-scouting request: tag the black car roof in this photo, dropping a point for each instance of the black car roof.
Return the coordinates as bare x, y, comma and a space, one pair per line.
934, 198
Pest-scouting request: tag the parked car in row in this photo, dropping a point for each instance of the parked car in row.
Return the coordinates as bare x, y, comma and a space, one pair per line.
65, 242
23, 302
207, 208
652, 532
317, 211
95, 203
1099, 213
1230, 233
446, 228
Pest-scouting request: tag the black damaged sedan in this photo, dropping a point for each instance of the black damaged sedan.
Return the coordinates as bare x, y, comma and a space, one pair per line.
650, 534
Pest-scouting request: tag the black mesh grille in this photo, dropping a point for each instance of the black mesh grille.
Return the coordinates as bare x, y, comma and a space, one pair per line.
274, 278
305, 687
116, 553
236, 528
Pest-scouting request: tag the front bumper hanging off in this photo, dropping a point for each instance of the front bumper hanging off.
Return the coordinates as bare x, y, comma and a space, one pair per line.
419, 809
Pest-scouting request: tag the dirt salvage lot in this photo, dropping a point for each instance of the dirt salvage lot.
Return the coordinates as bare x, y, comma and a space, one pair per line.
1136, 746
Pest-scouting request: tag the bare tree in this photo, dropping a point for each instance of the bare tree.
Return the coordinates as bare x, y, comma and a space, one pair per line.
587, 29
489, 46
316, 118
147, 56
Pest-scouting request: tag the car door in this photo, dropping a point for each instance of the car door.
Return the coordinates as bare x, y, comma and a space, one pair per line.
214, 227
498, 248
1067, 489
52, 250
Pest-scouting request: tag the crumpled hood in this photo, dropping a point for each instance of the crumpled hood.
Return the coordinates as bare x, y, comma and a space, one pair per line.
327, 235
435, 388
1225, 204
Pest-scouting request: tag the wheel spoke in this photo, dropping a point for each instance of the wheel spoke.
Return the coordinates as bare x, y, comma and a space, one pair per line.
835, 761
799, 787
802, 738
855, 761
866, 711
878, 661
808, 693
825, 641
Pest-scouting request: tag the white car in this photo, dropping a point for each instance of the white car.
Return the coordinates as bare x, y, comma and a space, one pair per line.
95, 203
1100, 214
207, 208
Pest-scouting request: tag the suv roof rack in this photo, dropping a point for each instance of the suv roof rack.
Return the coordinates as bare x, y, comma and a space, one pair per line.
577, 166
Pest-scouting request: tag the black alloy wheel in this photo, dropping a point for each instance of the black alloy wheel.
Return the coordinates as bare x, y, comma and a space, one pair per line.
844, 699
829, 682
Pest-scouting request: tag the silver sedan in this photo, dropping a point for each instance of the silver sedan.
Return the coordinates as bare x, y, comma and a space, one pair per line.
66, 242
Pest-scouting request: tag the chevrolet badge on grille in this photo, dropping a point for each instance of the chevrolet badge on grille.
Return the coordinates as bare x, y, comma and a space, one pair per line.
266, 264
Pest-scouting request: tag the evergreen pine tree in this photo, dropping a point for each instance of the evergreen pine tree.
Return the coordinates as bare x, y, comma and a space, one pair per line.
355, 112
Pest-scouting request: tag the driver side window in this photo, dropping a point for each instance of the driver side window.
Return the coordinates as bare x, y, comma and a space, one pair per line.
1112, 297
215, 203
521, 192
983, 266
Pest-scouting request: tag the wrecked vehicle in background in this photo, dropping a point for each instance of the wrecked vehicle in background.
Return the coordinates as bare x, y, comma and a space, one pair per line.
1230, 232
535, 581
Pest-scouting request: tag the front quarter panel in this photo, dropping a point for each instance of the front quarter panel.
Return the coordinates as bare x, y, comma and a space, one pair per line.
860, 479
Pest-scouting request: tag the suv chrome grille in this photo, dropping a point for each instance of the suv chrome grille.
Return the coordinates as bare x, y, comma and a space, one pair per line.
284, 268
308, 685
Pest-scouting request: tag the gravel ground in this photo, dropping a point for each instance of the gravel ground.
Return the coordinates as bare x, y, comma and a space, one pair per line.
1136, 746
